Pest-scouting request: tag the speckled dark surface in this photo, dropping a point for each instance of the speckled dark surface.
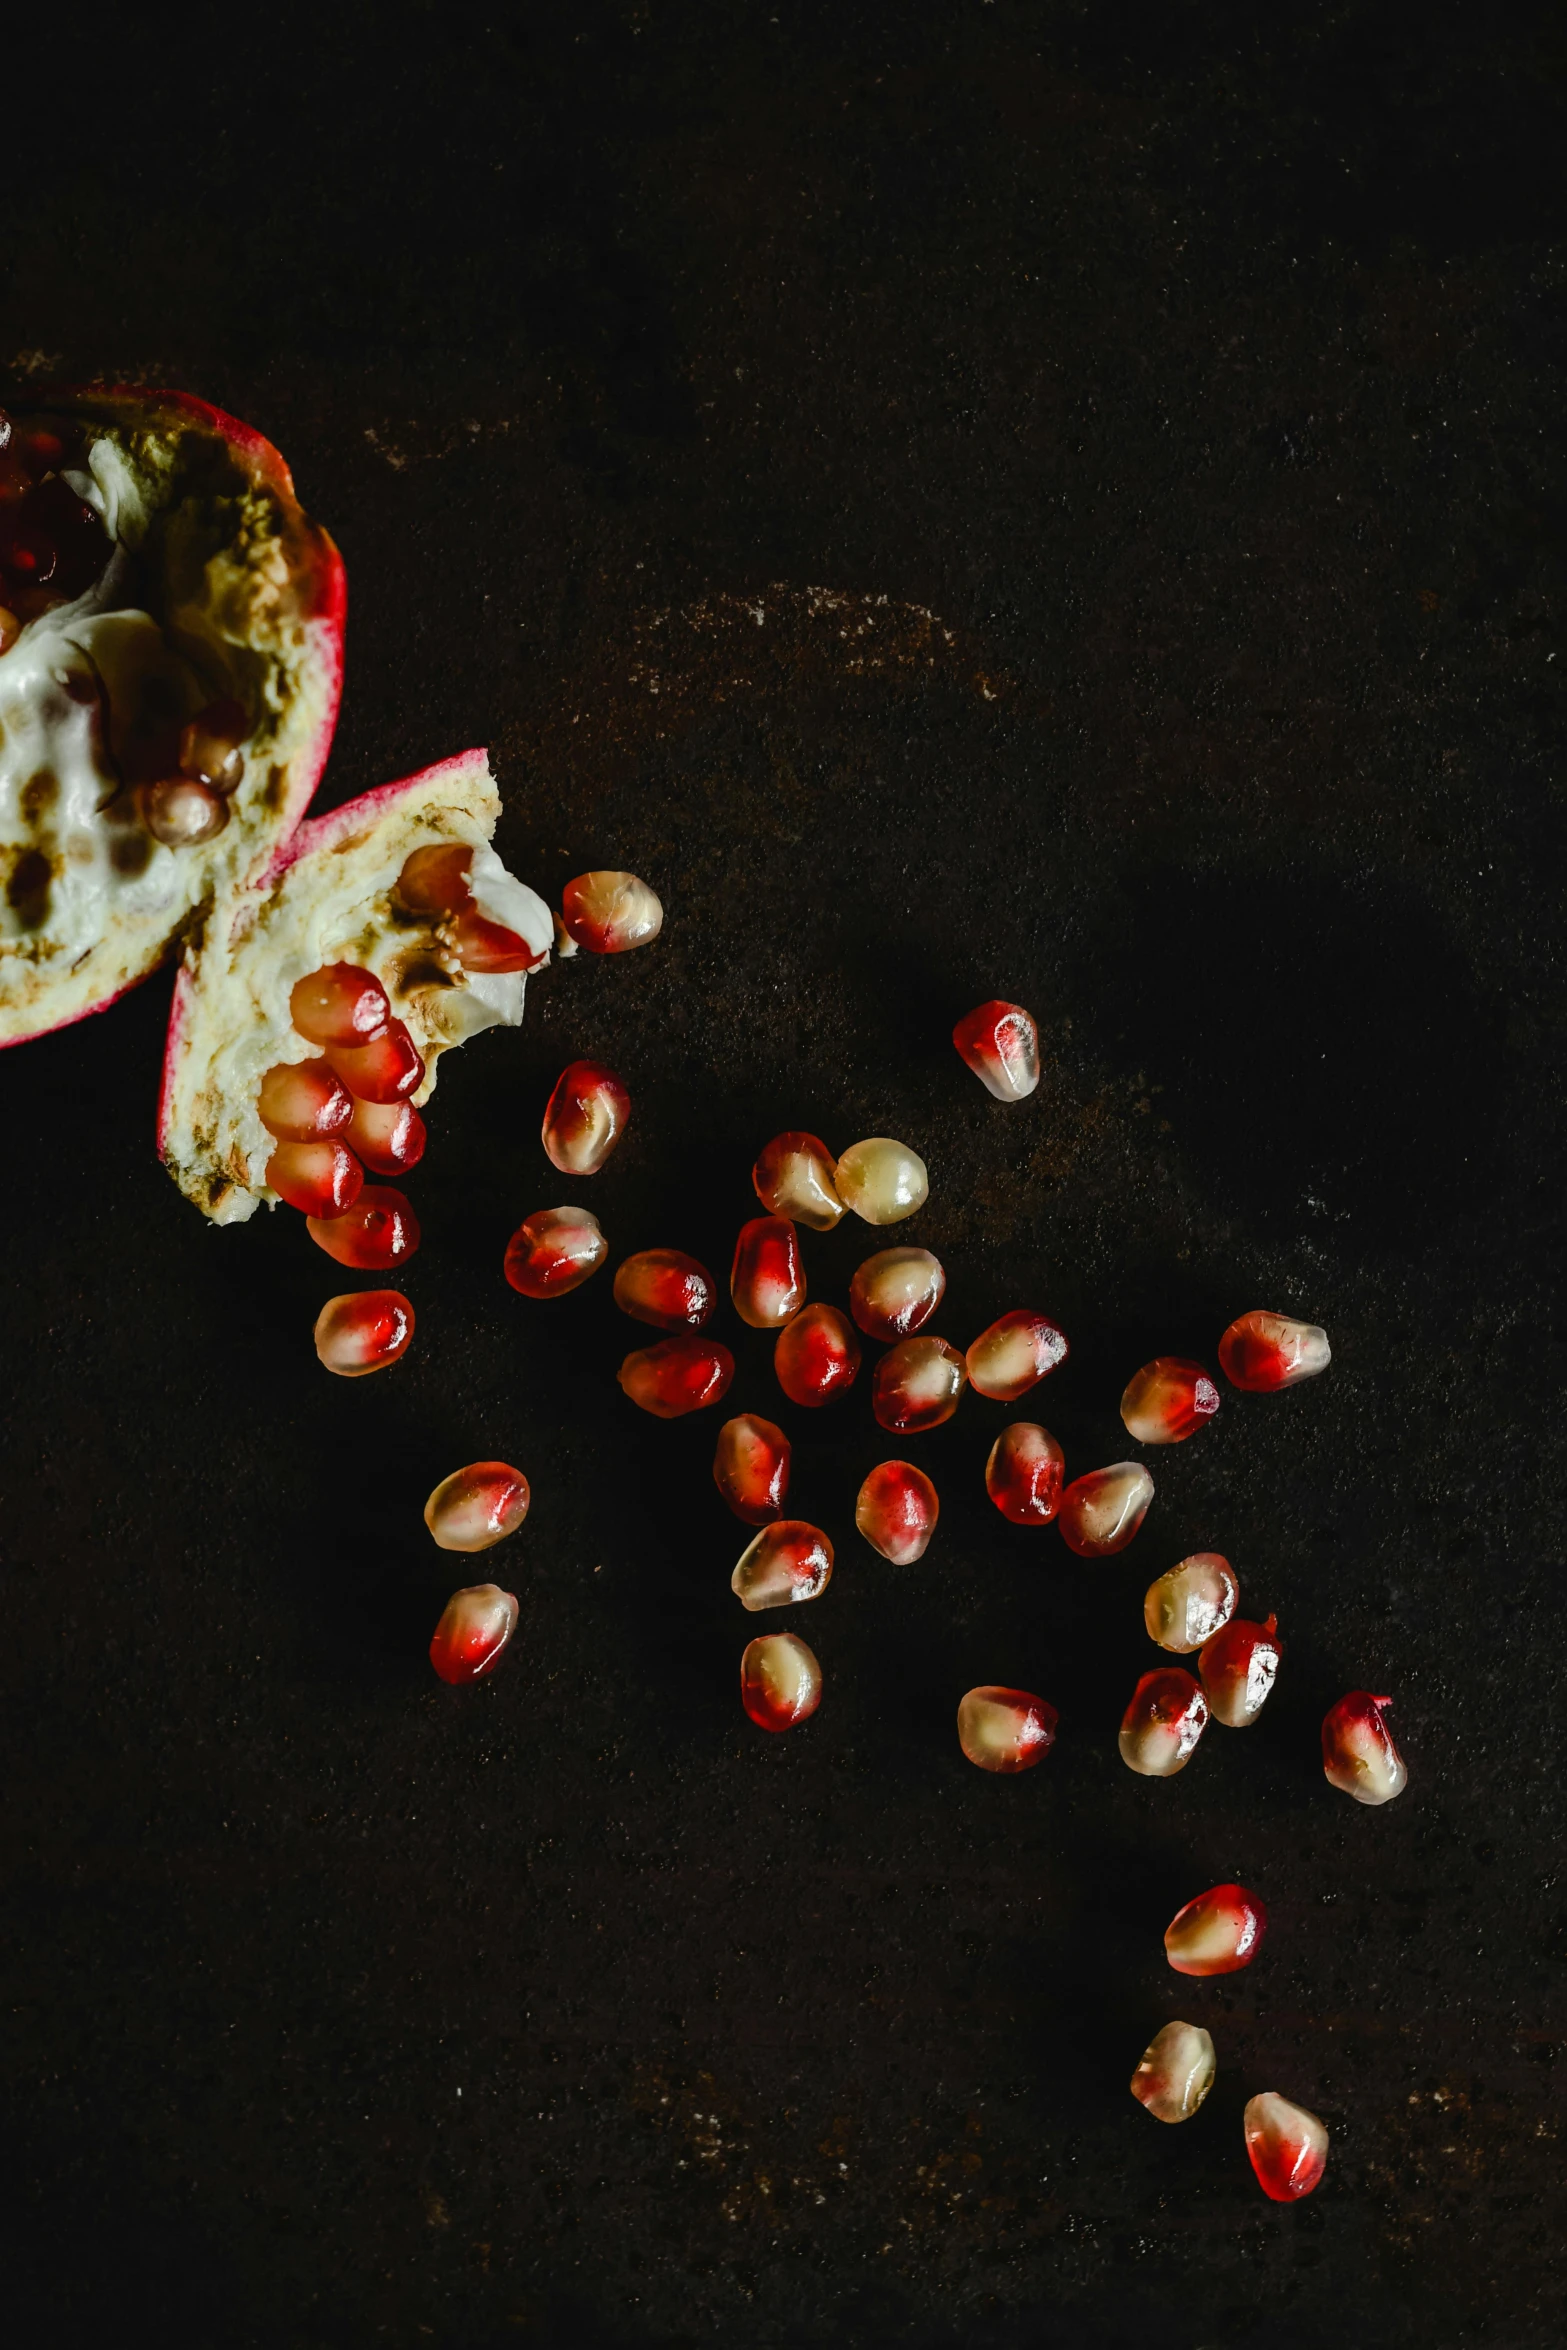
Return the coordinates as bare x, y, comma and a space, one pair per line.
966, 499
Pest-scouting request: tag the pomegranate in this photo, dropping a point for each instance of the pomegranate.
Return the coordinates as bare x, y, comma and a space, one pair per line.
1175, 2072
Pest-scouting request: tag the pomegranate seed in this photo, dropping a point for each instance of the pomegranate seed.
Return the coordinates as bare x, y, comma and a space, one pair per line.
680, 1375
1175, 2072
1238, 1666
380, 1230
609, 913
182, 814
796, 1176
895, 1292
1005, 1729
917, 1384
483, 945
585, 1117
304, 1101
1261, 1352
435, 880
1217, 1934
1000, 1043
780, 1681
389, 1136
665, 1287
897, 1511
1192, 1602
339, 1004
387, 1069
817, 1356
476, 1507
209, 746
789, 1561
493, 923
751, 1467
767, 1280
319, 1178
1288, 2147
882, 1180
554, 1250
1023, 1474
10, 629
1161, 1726
364, 1331
1169, 1400
473, 1631
1358, 1754
1101, 1512
1014, 1354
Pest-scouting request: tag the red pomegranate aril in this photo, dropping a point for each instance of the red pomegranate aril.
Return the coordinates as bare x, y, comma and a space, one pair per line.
1288, 2147
476, 1507
321, 1179
380, 1230
1161, 1726
585, 1117
1000, 1043
897, 1511
1169, 1400
386, 1069
1193, 1601
1005, 1729
895, 1292
817, 1356
304, 1101
389, 1136
473, 1632
1238, 1666
682, 1374
751, 1467
1262, 1352
1217, 1934
482, 945
665, 1287
435, 880
1101, 1512
1175, 2073
1358, 1753
1014, 1354
609, 913
917, 1385
882, 1180
554, 1251
339, 1005
767, 1279
780, 1681
209, 746
364, 1331
789, 1561
796, 1176
182, 814
1024, 1472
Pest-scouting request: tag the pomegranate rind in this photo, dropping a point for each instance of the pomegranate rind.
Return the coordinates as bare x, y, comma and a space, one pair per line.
327, 895
253, 597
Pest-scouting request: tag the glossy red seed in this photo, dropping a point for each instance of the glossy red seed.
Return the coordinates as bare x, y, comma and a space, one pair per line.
435, 880
1014, 1354
182, 814
767, 1280
1358, 1753
789, 1561
339, 1004
209, 746
1175, 2072
387, 1069
380, 1230
554, 1251
796, 1176
817, 1356
1006, 1729
1161, 1726
609, 913
1238, 1667
1102, 1511
680, 1375
304, 1101
895, 1292
1000, 1043
751, 1467
1262, 1352
1024, 1472
1288, 2147
917, 1384
473, 1632
1185, 1607
389, 1136
780, 1681
667, 1288
1217, 1934
897, 1511
364, 1331
476, 1507
585, 1117
319, 1178
484, 945
1169, 1400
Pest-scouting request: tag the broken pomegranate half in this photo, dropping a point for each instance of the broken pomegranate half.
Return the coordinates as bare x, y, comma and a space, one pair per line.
171, 652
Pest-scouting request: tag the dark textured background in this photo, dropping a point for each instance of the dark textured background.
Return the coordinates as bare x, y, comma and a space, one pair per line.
966, 498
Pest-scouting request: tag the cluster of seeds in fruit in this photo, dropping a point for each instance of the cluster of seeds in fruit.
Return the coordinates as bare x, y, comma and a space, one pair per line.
52, 544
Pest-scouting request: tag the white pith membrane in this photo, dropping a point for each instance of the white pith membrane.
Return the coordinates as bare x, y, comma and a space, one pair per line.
214, 587
328, 898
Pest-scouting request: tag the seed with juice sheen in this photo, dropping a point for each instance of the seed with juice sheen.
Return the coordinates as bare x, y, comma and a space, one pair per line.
304, 1101
379, 1231
1100, 1513
897, 1511
554, 1251
817, 1356
796, 1176
1193, 1601
882, 1181
1217, 1934
1288, 2147
682, 1374
319, 1178
917, 1384
364, 1331
1358, 1753
665, 1287
1175, 2072
609, 913
1161, 1726
473, 1632
767, 1279
789, 1561
1169, 1400
1014, 1354
1238, 1667
751, 1467
386, 1069
339, 1005
1024, 1472
1000, 1043
895, 1292
1005, 1729
585, 1117
389, 1136
476, 1507
1262, 1352
780, 1681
